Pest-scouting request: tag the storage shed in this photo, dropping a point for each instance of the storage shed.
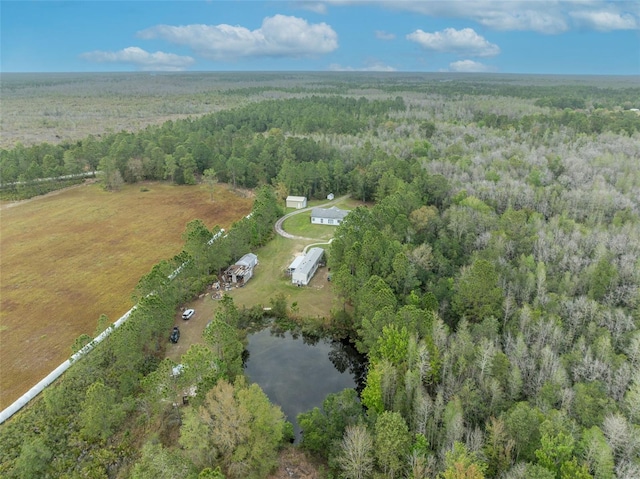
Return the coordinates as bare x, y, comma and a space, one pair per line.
328, 216
242, 271
307, 267
249, 259
297, 202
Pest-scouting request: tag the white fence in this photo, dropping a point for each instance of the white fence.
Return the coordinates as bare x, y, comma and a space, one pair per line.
57, 372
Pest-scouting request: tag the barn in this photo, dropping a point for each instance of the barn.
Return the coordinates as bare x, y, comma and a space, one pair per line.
297, 202
328, 216
305, 270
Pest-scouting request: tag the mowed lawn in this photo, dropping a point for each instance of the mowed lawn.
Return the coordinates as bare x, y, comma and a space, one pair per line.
300, 225
67, 258
317, 300
269, 280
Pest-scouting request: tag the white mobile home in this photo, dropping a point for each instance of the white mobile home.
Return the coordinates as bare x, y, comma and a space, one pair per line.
328, 216
294, 264
297, 202
307, 267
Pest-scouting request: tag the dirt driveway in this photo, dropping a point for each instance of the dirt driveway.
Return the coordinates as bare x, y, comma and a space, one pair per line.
191, 329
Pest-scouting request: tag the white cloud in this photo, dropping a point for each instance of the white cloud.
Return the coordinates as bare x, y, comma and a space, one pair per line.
315, 7
469, 66
279, 36
524, 20
372, 67
143, 60
382, 35
605, 20
450, 40
544, 16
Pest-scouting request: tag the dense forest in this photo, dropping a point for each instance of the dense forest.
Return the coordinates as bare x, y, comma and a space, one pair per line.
493, 284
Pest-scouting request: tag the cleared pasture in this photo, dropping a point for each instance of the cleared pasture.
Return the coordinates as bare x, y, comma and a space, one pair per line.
67, 258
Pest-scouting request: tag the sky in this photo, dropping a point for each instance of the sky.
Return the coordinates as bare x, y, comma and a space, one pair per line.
584, 37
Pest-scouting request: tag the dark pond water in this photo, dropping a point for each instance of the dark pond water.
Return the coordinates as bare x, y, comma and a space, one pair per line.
297, 372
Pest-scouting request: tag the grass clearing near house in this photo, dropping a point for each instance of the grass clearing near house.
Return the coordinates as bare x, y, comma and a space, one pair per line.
270, 279
351, 204
316, 300
300, 225
70, 257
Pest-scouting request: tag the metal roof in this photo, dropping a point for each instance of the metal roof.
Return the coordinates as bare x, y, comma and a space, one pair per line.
296, 198
331, 213
248, 259
310, 260
296, 262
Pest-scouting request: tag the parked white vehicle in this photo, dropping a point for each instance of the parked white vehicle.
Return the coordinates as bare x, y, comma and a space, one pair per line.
188, 313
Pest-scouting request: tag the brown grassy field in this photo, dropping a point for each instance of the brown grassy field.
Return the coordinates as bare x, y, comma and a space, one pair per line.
57, 107
66, 258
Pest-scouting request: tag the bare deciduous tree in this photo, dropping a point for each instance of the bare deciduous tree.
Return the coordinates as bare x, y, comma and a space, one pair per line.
356, 459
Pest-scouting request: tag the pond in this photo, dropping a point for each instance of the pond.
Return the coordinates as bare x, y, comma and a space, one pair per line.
297, 372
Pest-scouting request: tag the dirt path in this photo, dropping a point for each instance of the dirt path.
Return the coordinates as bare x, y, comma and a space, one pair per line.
294, 464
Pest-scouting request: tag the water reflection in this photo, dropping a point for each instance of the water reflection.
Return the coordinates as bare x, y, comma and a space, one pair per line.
345, 357
297, 371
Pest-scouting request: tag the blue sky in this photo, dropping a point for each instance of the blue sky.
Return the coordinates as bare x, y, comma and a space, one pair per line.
505, 36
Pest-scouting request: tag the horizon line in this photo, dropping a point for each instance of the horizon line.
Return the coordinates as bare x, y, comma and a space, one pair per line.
357, 72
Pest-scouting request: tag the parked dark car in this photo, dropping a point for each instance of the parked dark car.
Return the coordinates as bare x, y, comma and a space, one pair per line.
175, 335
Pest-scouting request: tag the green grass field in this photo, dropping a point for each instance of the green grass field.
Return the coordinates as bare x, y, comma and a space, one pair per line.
300, 225
67, 258
270, 279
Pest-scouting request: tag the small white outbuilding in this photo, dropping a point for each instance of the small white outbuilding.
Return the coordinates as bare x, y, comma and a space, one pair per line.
297, 202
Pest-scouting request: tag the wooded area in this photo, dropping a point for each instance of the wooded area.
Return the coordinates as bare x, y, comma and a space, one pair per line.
494, 285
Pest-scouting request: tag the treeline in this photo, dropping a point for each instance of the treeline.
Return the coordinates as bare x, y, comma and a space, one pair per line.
92, 422
496, 349
30, 189
552, 91
621, 122
291, 143
230, 143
